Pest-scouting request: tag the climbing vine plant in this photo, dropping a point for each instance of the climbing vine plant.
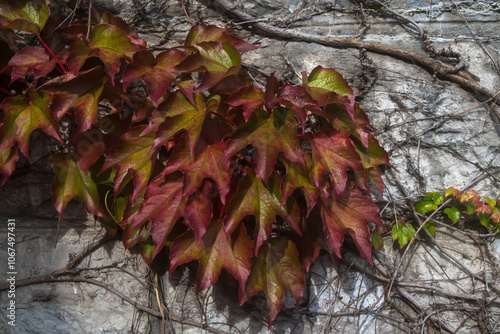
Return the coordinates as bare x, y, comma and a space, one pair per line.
180, 150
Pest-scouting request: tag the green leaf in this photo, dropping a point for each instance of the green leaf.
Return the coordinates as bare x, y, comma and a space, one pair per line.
215, 251
403, 234
70, 181
430, 226
484, 219
276, 269
23, 116
270, 136
471, 207
254, 198
24, 15
453, 214
425, 205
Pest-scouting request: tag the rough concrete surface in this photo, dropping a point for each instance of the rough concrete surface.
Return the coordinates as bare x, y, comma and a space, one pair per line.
437, 133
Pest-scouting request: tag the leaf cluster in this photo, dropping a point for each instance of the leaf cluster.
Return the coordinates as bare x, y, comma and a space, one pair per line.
458, 204
180, 150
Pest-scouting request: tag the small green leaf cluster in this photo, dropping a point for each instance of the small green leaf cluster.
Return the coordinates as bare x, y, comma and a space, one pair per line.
459, 203
196, 158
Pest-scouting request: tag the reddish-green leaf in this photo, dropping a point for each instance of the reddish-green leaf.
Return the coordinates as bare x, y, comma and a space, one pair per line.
333, 154
203, 33
351, 215
8, 159
22, 116
249, 98
180, 115
161, 205
297, 99
158, 74
276, 269
90, 146
198, 211
270, 136
111, 45
298, 176
82, 93
103, 16
25, 15
133, 156
326, 85
254, 198
69, 182
209, 163
218, 60
78, 53
215, 251
31, 60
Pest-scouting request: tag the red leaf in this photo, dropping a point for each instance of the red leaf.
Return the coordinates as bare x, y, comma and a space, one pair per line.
78, 52
81, 93
133, 156
209, 163
351, 215
298, 176
276, 269
24, 15
69, 182
179, 114
254, 198
272, 86
22, 116
203, 33
88, 148
333, 154
158, 74
161, 205
103, 16
215, 251
249, 98
8, 159
198, 212
297, 99
31, 60
269, 136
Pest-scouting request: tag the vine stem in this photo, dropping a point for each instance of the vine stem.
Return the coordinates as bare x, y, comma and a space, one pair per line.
52, 53
224, 118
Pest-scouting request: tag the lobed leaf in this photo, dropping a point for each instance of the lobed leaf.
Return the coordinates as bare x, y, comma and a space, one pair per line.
8, 159
254, 198
30, 60
350, 215
23, 116
276, 269
24, 15
270, 136
215, 251
69, 182
209, 163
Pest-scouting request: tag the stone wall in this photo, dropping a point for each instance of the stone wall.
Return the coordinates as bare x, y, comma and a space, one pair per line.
438, 134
